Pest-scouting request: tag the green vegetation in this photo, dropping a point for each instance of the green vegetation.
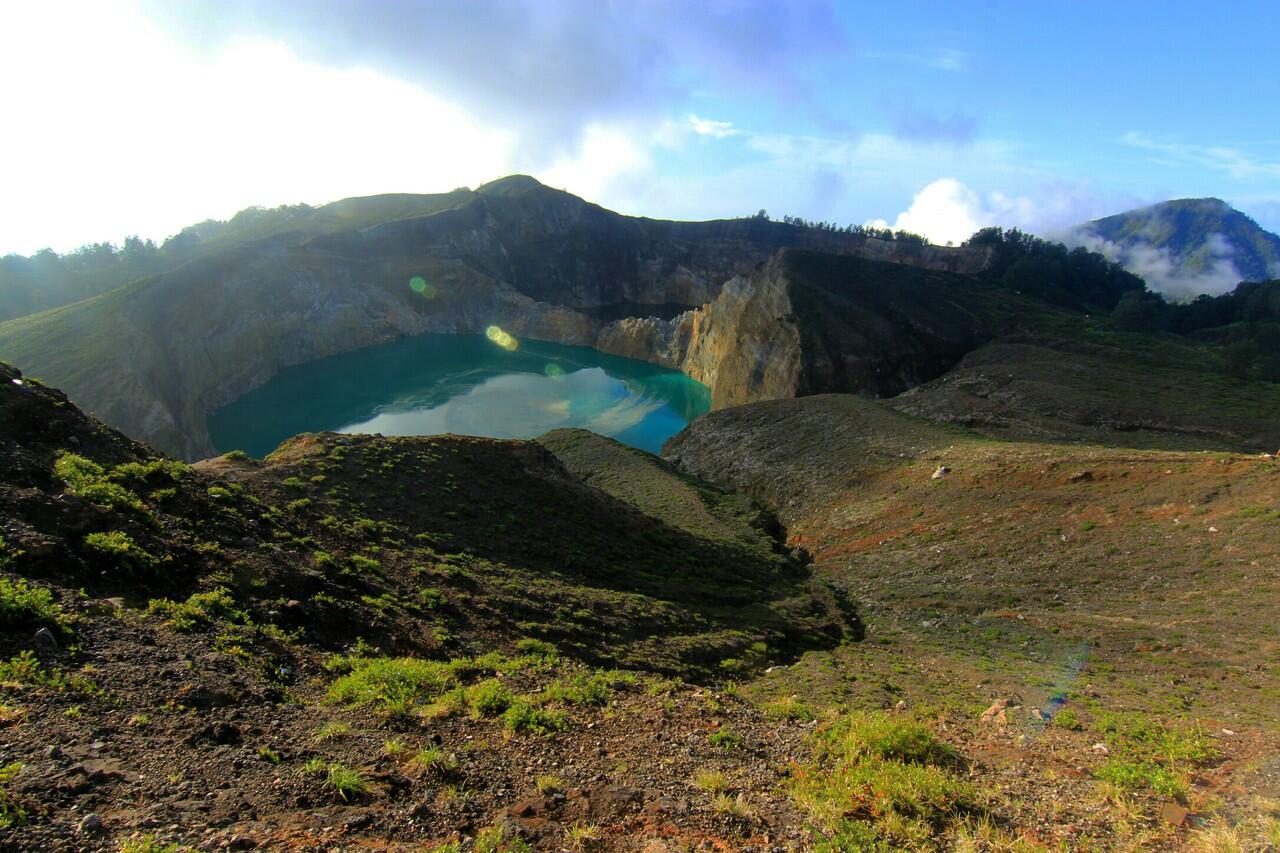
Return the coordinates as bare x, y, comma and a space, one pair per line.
118, 548
23, 605
12, 812
524, 716
199, 611
24, 670
332, 731
434, 758
711, 781
549, 783
789, 708
585, 688
878, 782
87, 479
725, 739
148, 843
1148, 754
345, 781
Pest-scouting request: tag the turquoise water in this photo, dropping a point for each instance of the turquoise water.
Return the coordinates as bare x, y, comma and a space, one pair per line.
464, 384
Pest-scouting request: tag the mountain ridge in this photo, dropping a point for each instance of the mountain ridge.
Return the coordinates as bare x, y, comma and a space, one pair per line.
1185, 247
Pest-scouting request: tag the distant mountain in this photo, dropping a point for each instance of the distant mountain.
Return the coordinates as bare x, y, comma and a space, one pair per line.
1186, 247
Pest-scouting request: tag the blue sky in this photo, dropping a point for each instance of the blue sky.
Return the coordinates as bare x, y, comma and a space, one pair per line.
141, 116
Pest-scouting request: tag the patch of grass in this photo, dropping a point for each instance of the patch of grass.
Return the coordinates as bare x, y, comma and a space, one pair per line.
118, 548
346, 782
331, 731
581, 689
22, 604
24, 670
489, 698
727, 804
880, 783
583, 836
789, 708
87, 479
434, 758
549, 783
388, 682
393, 747
524, 716
491, 840
1143, 736
12, 812
148, 843
1142, 775
725, 739
200, 610
712, 781
269, 755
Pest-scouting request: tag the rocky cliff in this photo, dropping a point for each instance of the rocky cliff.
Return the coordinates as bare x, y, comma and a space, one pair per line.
808, 322
157, 356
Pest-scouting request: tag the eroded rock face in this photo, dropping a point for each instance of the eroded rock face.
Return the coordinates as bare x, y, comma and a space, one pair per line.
808, 323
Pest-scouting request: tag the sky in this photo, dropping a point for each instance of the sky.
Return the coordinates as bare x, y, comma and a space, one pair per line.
143, 116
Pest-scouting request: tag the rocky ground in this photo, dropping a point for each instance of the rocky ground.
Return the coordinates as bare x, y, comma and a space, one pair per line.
461, 644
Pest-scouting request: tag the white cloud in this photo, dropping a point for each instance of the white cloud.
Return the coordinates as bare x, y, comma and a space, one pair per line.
1161, 271
947, 211
607, 154
157, 137
1236, 163
712, 128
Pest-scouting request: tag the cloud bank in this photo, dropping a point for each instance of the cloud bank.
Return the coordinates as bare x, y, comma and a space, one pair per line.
1163, 272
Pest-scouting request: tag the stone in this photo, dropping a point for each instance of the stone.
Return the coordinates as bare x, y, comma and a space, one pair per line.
90, 824
996, 711
1174, 814
45, 641
941, 472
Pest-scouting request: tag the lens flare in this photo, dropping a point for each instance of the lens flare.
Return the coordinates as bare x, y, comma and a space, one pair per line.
501, 338
554, 370
423, 288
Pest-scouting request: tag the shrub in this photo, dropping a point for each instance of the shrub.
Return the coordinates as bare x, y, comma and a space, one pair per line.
11, 811
199, 610
536, 648
524, 716
236, 455
386, 681
151, 470
489, 698
581, 689
25, 670
1067, 719
87, 479
725, 739
119, 548
23, 604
